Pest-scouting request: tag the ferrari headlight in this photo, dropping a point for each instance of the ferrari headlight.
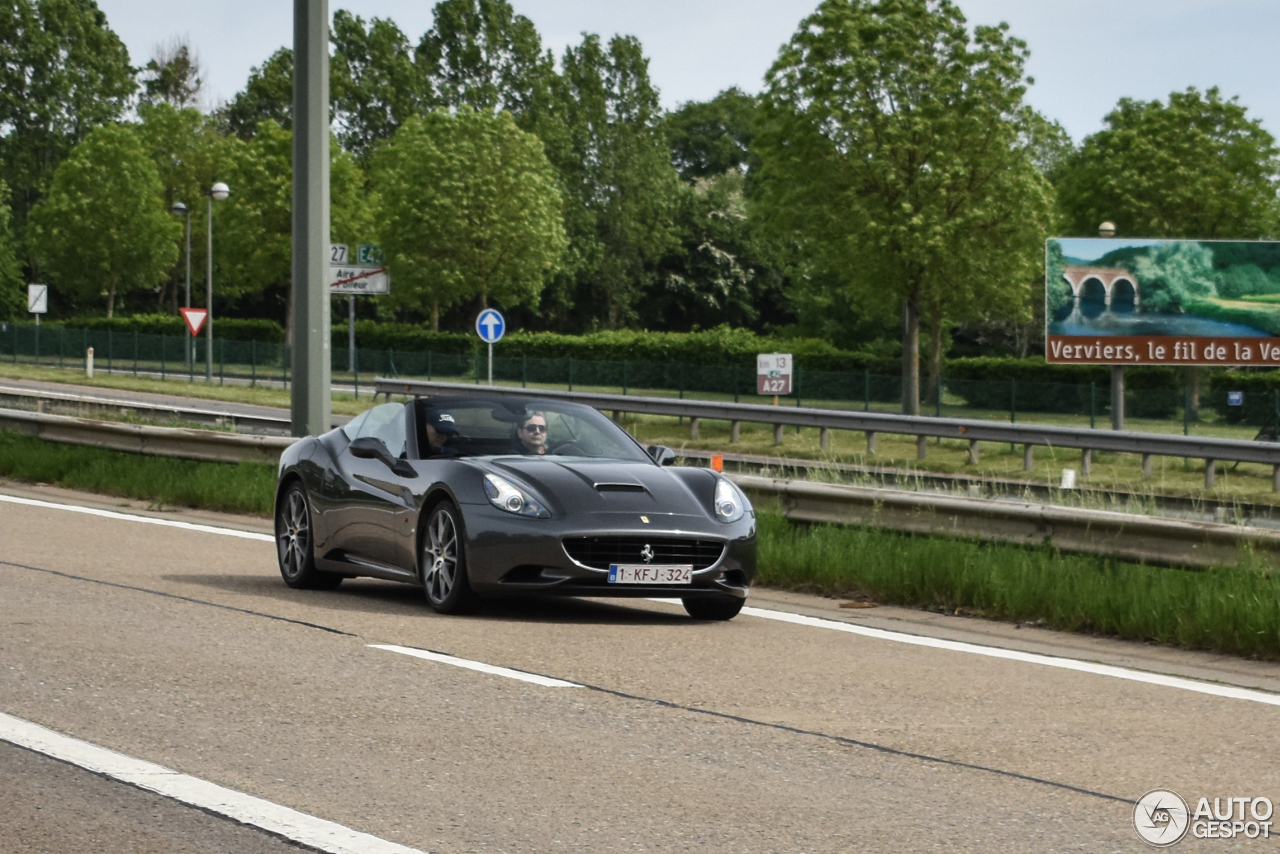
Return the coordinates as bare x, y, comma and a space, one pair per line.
730, 504
506, 497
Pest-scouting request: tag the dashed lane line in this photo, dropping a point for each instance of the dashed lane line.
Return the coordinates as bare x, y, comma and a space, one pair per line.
1111, 671
494, 670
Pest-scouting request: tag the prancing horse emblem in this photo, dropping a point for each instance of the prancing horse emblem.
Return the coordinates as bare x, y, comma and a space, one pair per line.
647, 553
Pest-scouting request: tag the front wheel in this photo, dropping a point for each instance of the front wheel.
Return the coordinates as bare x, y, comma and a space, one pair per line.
719, 608
293, 543
444, 563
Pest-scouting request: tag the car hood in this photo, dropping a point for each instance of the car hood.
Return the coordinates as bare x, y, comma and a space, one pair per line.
573, 485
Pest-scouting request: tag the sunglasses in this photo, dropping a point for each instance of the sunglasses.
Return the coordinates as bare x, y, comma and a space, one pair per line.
534, 428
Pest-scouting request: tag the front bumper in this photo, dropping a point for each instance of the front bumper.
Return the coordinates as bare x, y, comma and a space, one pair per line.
510, 555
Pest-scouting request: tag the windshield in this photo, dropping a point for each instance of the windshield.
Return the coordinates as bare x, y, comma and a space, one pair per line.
485, 427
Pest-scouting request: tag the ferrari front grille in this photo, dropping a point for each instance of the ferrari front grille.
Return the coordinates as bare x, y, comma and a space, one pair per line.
600, 552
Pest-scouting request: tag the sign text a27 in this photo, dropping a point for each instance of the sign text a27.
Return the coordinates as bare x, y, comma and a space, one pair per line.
773, 373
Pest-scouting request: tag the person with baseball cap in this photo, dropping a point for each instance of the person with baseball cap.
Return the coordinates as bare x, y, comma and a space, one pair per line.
440, 429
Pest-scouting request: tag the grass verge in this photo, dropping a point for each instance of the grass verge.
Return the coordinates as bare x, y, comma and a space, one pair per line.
1232, 610
239, 488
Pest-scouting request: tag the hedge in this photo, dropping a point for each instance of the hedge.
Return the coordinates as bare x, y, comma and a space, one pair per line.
1261, 395
233, 329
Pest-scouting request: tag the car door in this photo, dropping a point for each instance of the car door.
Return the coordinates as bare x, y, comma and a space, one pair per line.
370, 505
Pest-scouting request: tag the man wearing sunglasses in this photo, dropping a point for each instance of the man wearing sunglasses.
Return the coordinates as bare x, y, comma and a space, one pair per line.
532, 433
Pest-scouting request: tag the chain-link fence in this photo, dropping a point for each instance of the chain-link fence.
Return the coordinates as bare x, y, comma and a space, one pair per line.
254, 363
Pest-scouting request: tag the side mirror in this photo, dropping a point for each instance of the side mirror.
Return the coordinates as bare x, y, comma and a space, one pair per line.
662, 455
369, 448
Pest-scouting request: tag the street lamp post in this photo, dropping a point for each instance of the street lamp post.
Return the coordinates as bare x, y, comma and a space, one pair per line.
218, 191
189, 354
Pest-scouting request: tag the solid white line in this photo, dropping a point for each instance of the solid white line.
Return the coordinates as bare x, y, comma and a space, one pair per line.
299, 827
781, 616
148, 520
1027, 657
545, 681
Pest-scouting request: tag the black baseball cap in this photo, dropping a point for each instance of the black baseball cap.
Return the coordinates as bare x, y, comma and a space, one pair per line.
442, 421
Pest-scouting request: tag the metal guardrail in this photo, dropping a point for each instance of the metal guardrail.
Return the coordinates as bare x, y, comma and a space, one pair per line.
1147, 445
83, 405
1134, 537
183, 443
1124, 535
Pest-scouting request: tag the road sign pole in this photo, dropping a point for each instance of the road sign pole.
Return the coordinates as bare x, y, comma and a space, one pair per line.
310, 395
351, 333
490, 364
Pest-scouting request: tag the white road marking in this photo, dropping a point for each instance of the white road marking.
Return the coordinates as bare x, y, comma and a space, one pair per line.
1027, 657
130, 517
441, 658
299, 827
1112, 671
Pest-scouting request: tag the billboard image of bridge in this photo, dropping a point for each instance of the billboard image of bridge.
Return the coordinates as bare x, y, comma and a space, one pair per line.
1162, 302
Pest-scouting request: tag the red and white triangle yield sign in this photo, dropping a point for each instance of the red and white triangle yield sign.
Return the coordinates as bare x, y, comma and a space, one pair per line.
194, 318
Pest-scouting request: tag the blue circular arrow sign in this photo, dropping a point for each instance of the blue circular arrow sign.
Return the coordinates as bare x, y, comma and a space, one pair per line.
490, 326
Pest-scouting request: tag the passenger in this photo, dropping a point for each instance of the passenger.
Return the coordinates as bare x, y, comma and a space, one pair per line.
532, 434
440, 429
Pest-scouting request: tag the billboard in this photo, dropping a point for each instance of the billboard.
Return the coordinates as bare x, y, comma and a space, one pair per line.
1114, 301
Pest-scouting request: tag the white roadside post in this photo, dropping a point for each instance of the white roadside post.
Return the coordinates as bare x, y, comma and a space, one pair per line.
490, 326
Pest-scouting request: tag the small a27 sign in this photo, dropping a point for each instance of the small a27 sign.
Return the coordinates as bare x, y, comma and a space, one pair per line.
773, 373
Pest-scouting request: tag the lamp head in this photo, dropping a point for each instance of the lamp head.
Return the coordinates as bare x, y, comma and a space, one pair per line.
219, 191
178, 207
1107, 229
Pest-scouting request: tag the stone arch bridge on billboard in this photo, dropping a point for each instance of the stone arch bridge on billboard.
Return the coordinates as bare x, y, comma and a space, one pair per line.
1108, 285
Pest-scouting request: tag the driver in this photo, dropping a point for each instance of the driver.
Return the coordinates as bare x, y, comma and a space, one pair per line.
532, 433
440, 429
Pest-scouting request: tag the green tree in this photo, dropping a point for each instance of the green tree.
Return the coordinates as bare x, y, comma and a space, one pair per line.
190, 155
481, 54
103, 227
605, 140
377, 86
254, 228
1197, 167
13, 301
712, 137
893, 152
172, 76
468, 208
63, 72
268, 95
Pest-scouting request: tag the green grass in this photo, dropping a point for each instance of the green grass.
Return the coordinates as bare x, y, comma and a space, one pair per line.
1229, 610
240, 488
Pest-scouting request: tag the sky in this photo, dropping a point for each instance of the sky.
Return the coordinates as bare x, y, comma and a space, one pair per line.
1085, 54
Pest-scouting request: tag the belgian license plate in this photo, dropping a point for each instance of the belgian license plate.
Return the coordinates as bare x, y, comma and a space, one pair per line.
629, 573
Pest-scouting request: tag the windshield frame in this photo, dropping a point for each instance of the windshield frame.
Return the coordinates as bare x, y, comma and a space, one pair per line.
462, 447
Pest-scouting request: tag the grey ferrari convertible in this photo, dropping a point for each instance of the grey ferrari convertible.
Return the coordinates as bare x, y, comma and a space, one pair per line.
486, 496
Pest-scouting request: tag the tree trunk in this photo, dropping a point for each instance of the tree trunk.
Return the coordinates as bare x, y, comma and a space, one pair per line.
911, 357
435, 315
111, 299
935, 357
1193, 393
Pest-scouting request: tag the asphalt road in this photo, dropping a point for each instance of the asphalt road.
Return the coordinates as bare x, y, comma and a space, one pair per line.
183, 648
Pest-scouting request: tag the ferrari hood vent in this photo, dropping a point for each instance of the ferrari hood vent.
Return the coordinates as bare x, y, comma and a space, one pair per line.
619, 487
